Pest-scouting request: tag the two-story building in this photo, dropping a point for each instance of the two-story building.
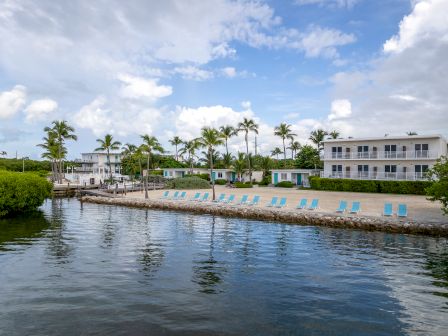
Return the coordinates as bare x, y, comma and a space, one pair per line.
96, 163
386, 158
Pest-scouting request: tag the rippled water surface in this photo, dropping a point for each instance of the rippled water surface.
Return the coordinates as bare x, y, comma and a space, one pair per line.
103, 270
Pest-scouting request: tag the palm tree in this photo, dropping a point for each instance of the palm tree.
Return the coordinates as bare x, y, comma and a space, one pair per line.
52, 152
107, 144
150, 145
276, 152
227, 160
294, 146
246, 126
334, 134
128, 157
190, 148
210, 138
265, 163
411, 133
239, 165
317, 137
3, 153
61, 131
176, 141
284, 132
226, 133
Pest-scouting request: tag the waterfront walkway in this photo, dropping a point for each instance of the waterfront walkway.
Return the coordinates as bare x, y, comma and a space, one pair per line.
419, 208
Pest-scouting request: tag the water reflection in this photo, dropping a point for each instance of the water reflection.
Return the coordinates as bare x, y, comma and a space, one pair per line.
22, 230
152, 253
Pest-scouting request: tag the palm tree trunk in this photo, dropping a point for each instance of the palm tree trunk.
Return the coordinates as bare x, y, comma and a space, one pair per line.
248, 159
108, 163
211, 172
177, 158
284, 151
146, 179
227, 149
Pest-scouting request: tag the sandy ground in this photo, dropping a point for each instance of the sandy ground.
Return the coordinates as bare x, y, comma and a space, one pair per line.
419, 208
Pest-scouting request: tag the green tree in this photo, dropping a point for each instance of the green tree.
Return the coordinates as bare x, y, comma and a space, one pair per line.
129, 162
53, 152
276, 152
150, 144
438, 191
334, 134
294, 146
210, 138
239, 165
108, 144
284, 132
226, 133
265, 163
176, 141
317, 137
227, 160
61, 131
246, 126
190, 148
308, 158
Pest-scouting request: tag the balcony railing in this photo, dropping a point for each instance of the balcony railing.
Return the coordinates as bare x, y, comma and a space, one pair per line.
379, 155
372, 175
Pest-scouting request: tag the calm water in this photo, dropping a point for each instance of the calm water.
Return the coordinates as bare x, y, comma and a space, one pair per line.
103, 270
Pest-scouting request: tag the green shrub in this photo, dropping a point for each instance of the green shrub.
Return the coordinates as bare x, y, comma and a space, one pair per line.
22, 192
156, 172
265, 181
204, 176
188, 183
285, 184
242, 185
221, 181
370, 186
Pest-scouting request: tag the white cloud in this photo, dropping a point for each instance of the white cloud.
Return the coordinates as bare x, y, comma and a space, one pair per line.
428, 19
40, 109
229, 72
95, 117
137, 87
328, 3
247, 105
193, 73
340, 108
12, 101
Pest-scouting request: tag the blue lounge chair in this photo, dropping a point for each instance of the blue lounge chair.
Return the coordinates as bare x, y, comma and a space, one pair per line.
182, 196
342, 207
243, 200
229, 200
402, 210
220, 198
174, 197
204, 198
302, 204
273, 202
387, 209
165, 195
356, 207
195, 197
282, 203
314, 204
254, 201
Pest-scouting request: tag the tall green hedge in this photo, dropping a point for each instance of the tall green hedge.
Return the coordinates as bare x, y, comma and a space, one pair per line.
22, 192
188, 183
371, 186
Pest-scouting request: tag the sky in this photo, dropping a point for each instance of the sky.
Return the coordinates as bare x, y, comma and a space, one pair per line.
166, 68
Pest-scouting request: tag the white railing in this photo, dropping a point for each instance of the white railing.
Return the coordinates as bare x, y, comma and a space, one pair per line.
378, 155
372, 175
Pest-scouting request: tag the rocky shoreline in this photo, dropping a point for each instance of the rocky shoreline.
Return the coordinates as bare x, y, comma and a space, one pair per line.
301, 217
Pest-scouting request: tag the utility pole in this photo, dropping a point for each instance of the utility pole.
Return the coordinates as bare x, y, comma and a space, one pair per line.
255, 145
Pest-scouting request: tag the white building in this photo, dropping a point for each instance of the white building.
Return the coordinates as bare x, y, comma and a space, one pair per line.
95, 169
386, 158
225, 174
299, 177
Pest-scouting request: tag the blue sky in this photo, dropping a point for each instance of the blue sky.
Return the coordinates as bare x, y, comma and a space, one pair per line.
362, 67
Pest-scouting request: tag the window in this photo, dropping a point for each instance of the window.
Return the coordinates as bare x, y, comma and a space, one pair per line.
220, 175
336, 170
421, 150
283, 176
390, 171
347, 171
420, 170
336, 152
363, 170
363, 151
390, 151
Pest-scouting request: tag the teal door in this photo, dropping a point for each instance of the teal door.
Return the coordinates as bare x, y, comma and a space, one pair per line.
233, 176
213, 176
275, 178
299, 179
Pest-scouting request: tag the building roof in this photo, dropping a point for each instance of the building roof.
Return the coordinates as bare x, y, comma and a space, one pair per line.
388, 137
105, 153
296, 170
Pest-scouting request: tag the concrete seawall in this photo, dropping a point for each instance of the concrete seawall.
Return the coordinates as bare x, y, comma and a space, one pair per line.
303, 217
